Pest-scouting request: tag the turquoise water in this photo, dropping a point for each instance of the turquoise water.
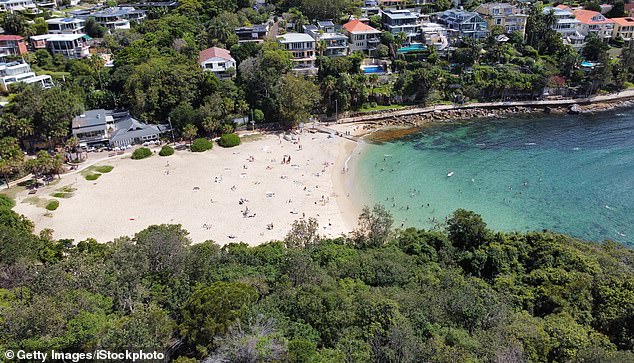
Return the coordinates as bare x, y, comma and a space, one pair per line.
571, 174
412, 48
373, 69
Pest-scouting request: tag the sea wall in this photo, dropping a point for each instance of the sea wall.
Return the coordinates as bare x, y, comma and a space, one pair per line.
417, 116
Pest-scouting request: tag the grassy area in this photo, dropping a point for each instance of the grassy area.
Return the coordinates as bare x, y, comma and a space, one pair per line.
367, 108
37, 201
64, 192
52, 205
92, 177
254, 137
104, 168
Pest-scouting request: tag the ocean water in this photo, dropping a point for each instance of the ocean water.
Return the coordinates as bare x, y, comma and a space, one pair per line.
571, 174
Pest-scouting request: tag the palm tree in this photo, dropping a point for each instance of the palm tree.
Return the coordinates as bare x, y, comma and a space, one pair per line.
189, 132
72, 146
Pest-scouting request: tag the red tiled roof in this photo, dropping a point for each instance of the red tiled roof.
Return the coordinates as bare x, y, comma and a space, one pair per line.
10, 37
214, 52
585, 16
562, 7
627, 21
356, 26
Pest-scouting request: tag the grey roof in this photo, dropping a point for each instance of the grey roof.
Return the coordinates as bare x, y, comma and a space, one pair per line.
89, 119
326, 23
120, 11
131, 128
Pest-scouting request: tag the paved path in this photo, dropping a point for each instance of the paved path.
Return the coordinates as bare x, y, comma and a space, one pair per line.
624, 95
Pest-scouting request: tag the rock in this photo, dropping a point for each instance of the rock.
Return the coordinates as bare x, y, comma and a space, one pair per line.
574, 109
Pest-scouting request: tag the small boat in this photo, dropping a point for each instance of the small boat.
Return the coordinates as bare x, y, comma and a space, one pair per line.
450, 174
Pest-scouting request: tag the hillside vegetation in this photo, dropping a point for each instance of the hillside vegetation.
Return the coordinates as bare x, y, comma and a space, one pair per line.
464, 294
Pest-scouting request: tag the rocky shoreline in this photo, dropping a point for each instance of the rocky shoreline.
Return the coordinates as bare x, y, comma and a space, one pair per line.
388, 119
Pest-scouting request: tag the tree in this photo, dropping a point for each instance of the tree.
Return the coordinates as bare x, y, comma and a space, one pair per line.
374, 227
94, 29
594, 48
256, 341
40, 26
189, 132
72, 146
467, 230
11, 158
210, 311
44, 165
617, 11
303, 233
296, 100
14, 23
159, 85
12, 126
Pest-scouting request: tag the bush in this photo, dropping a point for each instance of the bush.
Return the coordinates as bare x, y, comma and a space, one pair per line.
104, 168
258, 115
166, 151
92, 177
201, 145
229, 140
6, 202
141, 153
52, 205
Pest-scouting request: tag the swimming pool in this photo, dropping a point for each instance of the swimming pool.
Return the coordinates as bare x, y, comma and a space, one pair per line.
373, 69
412, 48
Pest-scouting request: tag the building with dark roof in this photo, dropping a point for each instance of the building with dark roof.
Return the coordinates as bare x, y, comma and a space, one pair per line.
116, 129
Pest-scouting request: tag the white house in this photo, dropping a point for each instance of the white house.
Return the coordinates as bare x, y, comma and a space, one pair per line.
65, 26
11, 5
362, 37
218, 61
302, 48
20, 71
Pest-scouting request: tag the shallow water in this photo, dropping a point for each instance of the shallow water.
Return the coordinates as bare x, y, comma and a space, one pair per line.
572, 174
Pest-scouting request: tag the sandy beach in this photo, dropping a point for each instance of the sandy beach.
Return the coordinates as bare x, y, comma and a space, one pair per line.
242, 194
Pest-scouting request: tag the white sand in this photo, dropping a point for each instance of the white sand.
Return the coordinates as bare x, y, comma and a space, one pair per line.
140, 193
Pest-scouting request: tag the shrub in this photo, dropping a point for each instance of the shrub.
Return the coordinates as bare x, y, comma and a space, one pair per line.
141, 153
92, 177
6, 202
229, 140
258, 115
104, 168
52, 205
201, 144
166, 151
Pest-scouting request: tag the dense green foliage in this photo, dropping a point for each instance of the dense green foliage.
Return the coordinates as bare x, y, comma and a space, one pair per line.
166, 150
141, 153
229, 140
201, 145
408, 295
52, 205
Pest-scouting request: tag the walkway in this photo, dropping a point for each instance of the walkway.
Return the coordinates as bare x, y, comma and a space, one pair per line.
621, 96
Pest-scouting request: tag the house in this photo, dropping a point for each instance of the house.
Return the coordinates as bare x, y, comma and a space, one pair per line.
629, 9
462, 23
116, 17
334, 44
370, 8
402, 21
302, 48
93, 127
362, 37
218, 61
16, 5
254, 33
390, 3
65, 26
71, 46
116, 129
12, 45
594, 22
509, 17
436, 35
623, 28
20, 71
567, 25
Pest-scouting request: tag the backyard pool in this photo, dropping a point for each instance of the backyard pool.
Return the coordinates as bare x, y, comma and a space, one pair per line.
412, 48
373, 69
